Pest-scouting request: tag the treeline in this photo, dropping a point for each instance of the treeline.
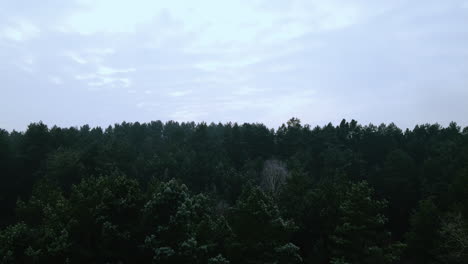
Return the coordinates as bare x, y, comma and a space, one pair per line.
228, 193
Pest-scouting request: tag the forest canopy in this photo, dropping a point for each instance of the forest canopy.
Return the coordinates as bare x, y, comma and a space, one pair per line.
234, 193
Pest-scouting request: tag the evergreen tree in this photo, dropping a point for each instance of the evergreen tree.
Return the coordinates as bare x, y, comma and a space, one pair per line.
423, 237
261, 235
360, 236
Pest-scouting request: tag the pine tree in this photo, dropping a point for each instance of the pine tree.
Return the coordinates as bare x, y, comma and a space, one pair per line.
360, 236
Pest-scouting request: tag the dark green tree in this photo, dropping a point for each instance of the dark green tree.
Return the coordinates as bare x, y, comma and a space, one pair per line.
261, 235
360, 236
105, 215
423, 237
179, 227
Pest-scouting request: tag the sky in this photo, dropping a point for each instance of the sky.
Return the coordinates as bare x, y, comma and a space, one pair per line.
100, 62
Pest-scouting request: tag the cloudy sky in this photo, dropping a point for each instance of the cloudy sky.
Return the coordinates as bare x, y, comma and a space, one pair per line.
72, 62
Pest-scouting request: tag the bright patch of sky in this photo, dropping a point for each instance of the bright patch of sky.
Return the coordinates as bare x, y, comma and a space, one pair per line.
72, 62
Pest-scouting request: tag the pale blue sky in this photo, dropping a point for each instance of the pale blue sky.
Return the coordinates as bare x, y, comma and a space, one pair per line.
99, 62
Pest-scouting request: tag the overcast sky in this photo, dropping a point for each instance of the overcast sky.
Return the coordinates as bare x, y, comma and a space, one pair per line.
99, 62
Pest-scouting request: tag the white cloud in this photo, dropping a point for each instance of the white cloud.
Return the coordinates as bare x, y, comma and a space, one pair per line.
104, 77
93, 57
26, 63
180, 93
280, 68
246, 90
25, 68
96, 81
248, 60
149, 106
29, 60
85, 76
76, 58
56, 80
188, 115
227, 64
113, 16
109, 82
102, 52
126, 82
213, 24
104, 70
20, 30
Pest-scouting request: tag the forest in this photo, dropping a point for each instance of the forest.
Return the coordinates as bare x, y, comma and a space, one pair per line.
171, 192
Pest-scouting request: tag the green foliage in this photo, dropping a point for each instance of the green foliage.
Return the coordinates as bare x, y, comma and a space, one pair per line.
105, 213
179, 225
43, 233
218, 260
195, 193
261, 235
360, 236
423, 237
15, 244
65, 167
454, 239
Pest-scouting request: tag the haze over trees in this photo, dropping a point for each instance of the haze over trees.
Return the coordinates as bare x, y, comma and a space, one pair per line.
234, 193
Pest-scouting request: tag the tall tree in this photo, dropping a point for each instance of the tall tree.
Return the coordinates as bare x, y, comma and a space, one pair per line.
261, 235
360, 236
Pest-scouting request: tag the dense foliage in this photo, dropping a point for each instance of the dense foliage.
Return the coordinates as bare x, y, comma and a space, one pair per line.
227, 193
